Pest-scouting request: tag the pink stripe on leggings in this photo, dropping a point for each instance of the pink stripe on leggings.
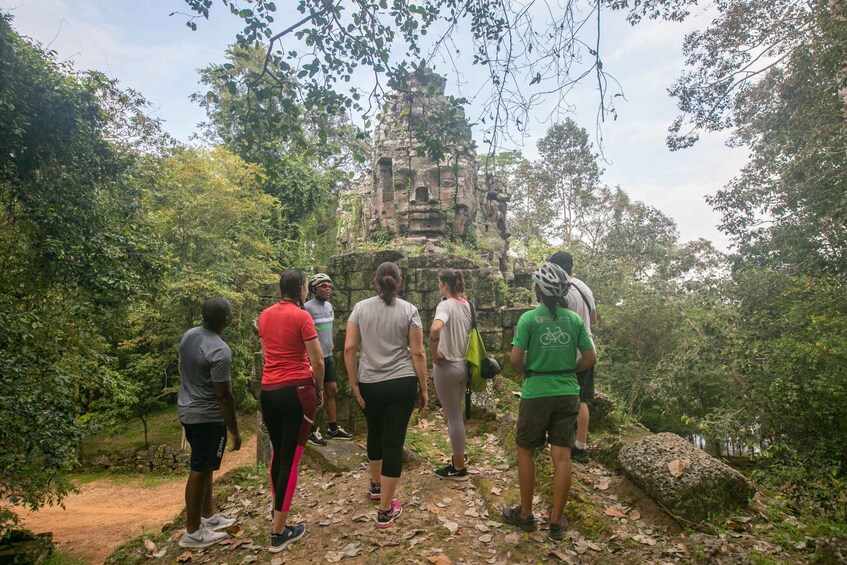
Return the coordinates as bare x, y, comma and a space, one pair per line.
292, 480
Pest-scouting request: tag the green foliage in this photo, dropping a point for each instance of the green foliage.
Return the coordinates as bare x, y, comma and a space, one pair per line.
306, 152
214, 223
72, 251
311, 61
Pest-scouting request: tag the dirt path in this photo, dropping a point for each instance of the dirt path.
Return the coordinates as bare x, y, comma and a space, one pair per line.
105, 514
446, 522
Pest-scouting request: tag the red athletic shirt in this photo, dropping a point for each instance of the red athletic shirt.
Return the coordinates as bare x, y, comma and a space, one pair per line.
285, 329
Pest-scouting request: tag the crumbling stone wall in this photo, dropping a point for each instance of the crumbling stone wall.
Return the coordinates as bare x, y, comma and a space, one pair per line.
352, 275
157, 459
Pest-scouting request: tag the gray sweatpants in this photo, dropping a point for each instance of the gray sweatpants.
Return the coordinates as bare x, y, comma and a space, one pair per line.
451, 381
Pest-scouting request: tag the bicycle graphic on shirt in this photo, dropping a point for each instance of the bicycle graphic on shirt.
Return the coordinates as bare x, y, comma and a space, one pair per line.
549, 337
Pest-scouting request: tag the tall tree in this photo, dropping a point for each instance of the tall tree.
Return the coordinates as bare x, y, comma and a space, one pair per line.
214, 223
306, 152
72, 251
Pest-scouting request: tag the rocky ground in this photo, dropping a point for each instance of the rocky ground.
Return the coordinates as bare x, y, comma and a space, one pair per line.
447, 522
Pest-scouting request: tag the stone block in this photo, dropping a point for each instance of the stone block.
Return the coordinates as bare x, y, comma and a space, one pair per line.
493, 340
438, 261
361, 280
337, 456
357, 296
429, 302
340, 300
706, 487
24, 548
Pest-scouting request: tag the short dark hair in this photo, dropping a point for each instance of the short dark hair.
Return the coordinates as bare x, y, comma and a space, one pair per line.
215, 311
562, 259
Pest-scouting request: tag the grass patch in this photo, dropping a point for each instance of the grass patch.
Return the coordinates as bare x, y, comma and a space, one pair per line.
61, 557
163, 429
146, 480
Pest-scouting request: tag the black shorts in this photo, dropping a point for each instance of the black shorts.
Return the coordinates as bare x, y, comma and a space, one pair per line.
207, 442
586, 385
330, 376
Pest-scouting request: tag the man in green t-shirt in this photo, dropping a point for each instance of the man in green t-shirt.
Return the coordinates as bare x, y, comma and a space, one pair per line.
550, 335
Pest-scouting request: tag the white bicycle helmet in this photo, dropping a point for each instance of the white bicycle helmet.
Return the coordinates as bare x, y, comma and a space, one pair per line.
552, 280
317, 279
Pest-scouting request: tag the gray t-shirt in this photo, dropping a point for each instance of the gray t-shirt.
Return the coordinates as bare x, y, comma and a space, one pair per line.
204, 358
323, 316
456, 316
384, 331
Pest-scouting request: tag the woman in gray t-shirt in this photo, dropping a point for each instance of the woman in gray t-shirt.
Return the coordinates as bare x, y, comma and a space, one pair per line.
387, 381
449, 337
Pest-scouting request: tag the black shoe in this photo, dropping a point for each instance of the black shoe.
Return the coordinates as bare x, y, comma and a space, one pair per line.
557, 531
466, 458
579, 455
375, 491
339, 433
316, 439
289, 535
513, 516
451, 473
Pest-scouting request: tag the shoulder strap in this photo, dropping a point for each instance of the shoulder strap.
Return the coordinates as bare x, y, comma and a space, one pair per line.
473, 314
584, 298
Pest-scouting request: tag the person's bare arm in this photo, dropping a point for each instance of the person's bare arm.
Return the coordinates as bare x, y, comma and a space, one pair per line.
593, 317
517, 359
434, 340
226, 403
351, 346
588, 359
316, 358
419, 361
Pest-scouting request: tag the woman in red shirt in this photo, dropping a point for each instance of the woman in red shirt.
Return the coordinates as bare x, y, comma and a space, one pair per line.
292, 376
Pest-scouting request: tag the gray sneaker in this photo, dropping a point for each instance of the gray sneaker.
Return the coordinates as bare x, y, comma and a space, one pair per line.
557, 531
203, 537
513, 516
217, 522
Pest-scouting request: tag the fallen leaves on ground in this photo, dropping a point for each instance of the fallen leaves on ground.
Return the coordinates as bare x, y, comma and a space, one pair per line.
439, 559
184, 557
614, 512
676, 467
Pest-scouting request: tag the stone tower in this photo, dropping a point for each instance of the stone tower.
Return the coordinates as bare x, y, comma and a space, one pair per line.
423, 188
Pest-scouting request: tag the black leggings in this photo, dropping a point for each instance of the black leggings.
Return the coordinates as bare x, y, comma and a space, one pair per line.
388, 407
288, 414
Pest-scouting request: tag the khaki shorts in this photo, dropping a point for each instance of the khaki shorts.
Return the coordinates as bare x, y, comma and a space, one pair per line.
551, 418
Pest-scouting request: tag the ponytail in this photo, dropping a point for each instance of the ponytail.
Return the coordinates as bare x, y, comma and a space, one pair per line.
387, 280
454, 280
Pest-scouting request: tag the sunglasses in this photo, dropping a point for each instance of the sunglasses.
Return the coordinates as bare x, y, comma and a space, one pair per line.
327, 286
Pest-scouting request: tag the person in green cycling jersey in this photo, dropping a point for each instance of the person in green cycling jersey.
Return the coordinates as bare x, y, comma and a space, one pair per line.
550, 336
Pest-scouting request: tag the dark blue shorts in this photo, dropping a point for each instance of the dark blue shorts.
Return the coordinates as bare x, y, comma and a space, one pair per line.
586, 385
207, 442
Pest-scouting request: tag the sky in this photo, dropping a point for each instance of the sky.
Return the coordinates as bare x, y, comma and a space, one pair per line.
146, 49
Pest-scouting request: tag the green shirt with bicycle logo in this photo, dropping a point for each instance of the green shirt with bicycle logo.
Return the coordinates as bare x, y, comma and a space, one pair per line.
551, 346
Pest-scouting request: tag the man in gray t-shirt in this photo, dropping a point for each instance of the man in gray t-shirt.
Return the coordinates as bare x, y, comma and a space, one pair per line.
320, 284
581, 301
206, 408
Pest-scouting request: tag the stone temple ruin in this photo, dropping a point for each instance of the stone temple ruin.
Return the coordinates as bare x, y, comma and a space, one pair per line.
424, 214
410, 198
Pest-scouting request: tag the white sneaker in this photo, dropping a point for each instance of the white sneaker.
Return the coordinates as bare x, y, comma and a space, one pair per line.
203, 537
217, 522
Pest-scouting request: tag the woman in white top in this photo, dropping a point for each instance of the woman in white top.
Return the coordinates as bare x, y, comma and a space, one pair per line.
449, 345
387, 381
